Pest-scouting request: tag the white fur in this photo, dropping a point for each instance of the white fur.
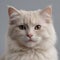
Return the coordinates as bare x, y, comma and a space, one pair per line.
43, 47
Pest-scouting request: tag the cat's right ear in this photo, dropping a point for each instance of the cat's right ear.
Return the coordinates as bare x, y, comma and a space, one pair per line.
12, 11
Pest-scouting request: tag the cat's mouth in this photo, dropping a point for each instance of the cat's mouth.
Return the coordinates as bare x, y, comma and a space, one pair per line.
30, 40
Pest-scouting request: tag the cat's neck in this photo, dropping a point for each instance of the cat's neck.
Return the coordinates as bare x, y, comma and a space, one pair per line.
26, 50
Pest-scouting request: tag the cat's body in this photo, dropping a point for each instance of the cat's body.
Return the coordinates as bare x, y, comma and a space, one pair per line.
31, 35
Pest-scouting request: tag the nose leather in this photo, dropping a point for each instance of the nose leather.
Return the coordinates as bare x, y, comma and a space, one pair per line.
29, 35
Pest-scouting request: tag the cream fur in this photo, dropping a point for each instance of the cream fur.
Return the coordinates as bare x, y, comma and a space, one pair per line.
44, 46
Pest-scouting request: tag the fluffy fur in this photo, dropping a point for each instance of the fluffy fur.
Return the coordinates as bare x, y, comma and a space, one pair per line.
43, 47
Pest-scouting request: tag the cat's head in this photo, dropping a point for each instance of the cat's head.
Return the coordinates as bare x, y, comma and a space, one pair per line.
31, 28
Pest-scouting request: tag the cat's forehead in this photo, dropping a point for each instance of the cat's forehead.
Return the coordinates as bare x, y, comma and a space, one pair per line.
28, 14
30, 17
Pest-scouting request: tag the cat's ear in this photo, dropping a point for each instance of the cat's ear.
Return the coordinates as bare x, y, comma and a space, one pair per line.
47, 14
13, 15
12, 10
47, 11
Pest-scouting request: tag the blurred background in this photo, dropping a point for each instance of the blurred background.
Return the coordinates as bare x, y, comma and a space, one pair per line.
28, 5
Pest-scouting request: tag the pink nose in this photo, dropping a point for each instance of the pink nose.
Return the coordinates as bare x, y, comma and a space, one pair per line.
29, 35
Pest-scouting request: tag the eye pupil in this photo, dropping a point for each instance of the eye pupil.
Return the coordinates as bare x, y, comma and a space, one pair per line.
22, 27
37, 27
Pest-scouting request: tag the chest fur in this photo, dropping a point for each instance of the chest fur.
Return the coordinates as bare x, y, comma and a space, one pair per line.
31, 55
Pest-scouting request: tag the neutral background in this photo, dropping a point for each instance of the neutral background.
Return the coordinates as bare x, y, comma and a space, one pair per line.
28, 5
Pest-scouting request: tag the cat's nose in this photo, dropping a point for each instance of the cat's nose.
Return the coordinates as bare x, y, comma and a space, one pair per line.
29, 35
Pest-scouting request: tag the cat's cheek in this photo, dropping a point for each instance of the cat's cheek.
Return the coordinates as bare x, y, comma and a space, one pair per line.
22, 39
36, 38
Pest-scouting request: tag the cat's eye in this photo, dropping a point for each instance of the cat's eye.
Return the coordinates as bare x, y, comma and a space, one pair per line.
22, 27
37, 27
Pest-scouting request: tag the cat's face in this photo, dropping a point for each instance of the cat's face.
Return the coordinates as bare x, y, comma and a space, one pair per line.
29, 28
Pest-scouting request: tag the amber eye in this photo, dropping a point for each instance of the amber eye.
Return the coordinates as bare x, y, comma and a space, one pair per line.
37, 27
22, 27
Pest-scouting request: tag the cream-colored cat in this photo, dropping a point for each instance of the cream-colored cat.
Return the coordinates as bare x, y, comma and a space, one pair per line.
31, 35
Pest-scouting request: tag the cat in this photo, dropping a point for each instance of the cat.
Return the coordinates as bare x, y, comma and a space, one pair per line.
31, 35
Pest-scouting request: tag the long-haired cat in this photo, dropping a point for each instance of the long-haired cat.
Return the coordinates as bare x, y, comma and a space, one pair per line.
31, 35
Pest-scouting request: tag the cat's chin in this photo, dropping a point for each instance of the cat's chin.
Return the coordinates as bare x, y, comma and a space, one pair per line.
30, 44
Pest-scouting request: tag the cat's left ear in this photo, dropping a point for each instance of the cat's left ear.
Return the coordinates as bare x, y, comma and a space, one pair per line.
12, 10
47, 11
13, 14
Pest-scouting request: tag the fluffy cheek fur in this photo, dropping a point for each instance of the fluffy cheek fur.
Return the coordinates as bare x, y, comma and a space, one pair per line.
20, 36
39, 37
